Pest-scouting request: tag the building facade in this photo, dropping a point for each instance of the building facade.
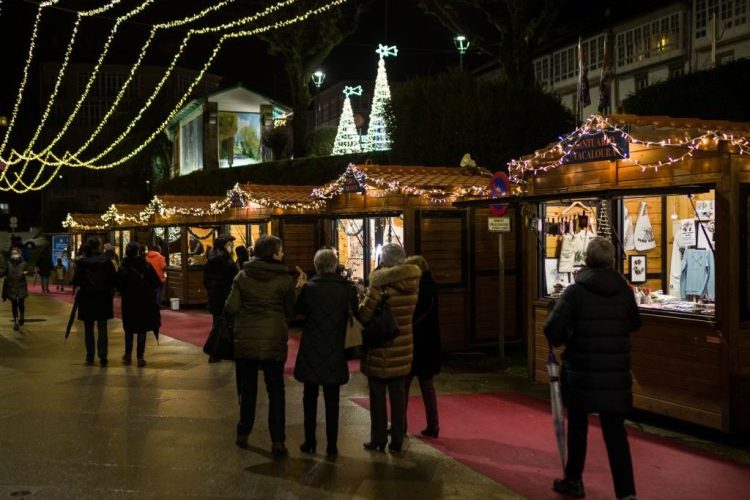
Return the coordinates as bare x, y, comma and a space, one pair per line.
668, 42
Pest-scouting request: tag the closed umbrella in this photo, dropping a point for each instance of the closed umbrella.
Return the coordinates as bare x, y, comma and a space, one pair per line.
558, 416
72, 318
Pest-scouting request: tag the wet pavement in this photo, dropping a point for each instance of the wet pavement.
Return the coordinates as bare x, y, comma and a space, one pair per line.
68, 430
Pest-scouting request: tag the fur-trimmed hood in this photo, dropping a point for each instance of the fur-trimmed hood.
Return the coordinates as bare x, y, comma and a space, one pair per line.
403, 277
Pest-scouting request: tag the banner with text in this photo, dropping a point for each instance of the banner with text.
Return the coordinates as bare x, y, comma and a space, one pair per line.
601, 146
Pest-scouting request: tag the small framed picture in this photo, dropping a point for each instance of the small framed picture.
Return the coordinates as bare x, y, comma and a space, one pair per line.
637, 268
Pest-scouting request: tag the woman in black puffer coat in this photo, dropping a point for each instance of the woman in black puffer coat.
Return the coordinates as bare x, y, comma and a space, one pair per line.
218, 275
594, 319
327, 301
137, 281
426, 328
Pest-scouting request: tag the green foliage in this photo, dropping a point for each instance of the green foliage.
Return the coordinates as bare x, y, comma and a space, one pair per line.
719, 93
305, 171
435, 121
277, 139
320, 142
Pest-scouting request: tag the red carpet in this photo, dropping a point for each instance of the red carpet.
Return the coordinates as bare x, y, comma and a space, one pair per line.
510, 439
191, 326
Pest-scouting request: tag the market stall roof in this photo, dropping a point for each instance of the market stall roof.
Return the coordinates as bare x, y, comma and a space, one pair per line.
279, 196
441, 184
84, 222
122, 213
684, 135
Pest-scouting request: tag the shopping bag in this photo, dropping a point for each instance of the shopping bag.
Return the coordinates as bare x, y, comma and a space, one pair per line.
219, 343
644, 233
353, 339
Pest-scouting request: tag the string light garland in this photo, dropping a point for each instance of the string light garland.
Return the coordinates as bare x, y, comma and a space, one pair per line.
73, 225
555, 156
387, 187
68, 159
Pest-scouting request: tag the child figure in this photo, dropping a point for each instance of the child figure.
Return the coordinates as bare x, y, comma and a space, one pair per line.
60, 275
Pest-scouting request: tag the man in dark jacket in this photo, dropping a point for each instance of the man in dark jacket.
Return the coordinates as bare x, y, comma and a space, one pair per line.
594, 318
218, 275
261, 300
95, 277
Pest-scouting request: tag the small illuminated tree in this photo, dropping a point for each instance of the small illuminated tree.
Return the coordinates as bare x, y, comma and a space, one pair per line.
347, 137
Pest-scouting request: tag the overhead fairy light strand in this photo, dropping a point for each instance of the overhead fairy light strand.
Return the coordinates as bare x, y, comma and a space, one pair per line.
47, 158
555, 155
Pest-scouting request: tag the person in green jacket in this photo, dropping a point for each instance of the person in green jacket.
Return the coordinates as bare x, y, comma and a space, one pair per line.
261, 300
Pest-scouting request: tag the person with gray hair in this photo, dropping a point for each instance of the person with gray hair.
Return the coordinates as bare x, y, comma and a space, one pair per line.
594, 319
387, 366
326, 301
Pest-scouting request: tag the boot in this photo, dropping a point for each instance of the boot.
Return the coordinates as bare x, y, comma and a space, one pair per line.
15, 323
278, 449
126, 359
242, 440
569, 488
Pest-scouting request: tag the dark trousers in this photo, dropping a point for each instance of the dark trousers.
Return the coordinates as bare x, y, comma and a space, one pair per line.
45, 283
429, 396
101, 344
157, 295
19, 308
247, 385
140, 349
618, 450
379, 414
310, 406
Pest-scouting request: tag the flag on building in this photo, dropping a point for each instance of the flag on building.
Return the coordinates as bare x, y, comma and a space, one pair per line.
605, 84
584, 95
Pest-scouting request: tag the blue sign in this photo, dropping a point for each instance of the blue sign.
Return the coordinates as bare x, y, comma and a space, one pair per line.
61, 249
601, 146
498, 188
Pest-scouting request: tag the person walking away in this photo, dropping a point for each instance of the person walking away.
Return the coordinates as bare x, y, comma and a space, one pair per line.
387, 367
95, 278
326, 301
157, 261
60, 276
427, 350
594, 319
44, 266
136, 281
261, 300
243, 255
218, 275
15, 287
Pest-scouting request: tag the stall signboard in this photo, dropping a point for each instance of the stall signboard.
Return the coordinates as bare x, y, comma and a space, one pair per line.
600, 146
498, 188
61, 249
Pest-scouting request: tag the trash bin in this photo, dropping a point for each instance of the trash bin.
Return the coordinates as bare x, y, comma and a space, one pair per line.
175, 303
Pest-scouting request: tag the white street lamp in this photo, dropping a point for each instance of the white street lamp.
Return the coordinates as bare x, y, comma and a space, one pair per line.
462, 45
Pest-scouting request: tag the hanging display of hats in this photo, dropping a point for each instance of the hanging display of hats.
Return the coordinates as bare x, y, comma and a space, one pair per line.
628, 241
644, 233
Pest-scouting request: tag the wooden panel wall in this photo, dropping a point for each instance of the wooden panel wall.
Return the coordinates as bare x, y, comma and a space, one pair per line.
742, 383
441, 241
452, 316
485, 291
175, 284
300, 244
195, 291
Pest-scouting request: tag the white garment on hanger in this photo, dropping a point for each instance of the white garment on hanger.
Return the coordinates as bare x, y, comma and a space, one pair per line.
675, 266
567, 254
644, 233
628, 242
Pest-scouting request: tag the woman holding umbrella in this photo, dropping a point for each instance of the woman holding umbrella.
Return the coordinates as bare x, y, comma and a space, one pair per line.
137, 281
594, 319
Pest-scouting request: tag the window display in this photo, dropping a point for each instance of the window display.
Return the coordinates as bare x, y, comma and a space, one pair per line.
172, 236
360, 242
200, 243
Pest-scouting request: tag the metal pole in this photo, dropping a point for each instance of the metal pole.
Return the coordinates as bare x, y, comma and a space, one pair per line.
500, 300
460, 60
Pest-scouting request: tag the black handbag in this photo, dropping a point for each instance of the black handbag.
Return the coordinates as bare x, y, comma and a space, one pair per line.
219, 343
382, 327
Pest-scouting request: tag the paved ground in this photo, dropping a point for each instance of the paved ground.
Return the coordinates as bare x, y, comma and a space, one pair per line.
68, 430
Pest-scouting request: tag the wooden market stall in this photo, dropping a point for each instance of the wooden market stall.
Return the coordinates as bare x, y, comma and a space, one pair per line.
83, 226
674, 195
371, 205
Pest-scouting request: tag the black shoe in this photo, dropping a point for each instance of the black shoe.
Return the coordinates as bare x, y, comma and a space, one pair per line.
431, 433
242, 440
15, 325
278, 449
103, 363
569, 488
394, 448
374, 447
332, 452
21, 321
308, 447
89, 361
127, 359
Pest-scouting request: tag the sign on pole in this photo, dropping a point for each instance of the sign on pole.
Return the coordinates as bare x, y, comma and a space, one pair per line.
498, 224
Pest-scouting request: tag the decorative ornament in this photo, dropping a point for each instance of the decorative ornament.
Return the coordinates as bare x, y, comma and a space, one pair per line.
378, 137
347, 138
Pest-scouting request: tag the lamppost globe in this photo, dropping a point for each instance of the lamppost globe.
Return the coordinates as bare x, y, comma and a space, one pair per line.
462, 45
